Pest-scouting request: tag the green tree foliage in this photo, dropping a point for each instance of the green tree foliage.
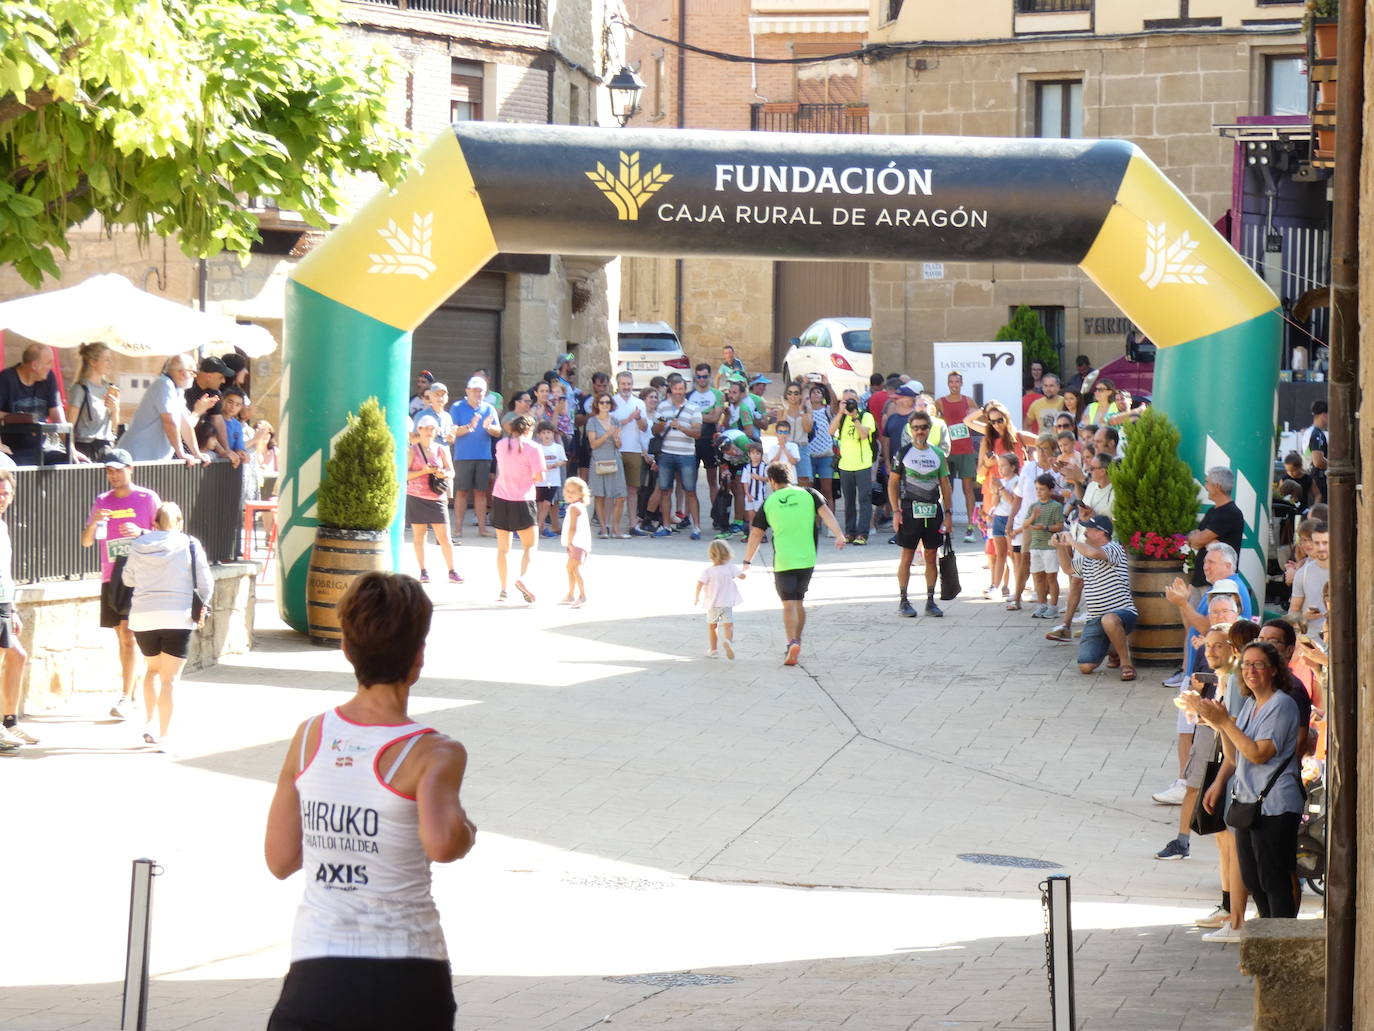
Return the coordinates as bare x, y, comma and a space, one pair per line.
359, 488
1036, 344
165, 115
1154, 489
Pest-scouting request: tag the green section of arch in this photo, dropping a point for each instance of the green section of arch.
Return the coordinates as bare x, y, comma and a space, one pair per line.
336, 358
1220, 392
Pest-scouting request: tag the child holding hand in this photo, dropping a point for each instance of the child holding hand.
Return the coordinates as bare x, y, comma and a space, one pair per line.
717, 590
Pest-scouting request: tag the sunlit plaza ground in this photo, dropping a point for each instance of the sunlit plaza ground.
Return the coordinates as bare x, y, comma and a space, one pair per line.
798, 839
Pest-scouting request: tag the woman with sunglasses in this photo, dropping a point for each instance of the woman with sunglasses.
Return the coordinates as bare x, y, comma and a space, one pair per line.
796, 412
1103, 405
1260, 747
822, 447
607, 469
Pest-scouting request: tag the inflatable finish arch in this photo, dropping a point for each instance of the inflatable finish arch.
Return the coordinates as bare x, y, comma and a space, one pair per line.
486, 188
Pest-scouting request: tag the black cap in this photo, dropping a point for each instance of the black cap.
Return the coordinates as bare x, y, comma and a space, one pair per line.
212, 364
1098, 522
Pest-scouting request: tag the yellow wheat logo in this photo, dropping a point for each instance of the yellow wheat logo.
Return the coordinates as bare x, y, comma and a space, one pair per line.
629, 190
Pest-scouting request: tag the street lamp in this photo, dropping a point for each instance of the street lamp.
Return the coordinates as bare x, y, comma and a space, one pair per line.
625, 88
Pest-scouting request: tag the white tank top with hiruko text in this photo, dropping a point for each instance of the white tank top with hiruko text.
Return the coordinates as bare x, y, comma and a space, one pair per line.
367, 880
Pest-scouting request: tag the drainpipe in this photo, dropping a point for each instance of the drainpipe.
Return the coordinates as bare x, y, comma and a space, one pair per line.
1342, 477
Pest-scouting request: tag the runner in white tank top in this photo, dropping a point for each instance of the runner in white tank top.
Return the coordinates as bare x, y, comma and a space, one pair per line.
366, 800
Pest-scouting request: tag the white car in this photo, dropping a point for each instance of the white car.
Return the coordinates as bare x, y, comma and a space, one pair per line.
841, 348
649, 349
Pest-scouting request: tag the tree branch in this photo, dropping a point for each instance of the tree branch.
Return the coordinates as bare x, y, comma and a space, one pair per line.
12, 107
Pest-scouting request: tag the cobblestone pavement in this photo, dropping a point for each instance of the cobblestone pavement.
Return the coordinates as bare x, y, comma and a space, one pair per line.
794, 838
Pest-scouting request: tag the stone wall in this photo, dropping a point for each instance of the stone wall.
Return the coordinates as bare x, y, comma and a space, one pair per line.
71, 655
1162, 92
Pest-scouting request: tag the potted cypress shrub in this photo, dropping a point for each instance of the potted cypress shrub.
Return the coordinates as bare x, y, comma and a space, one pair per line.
1036, 345
1156, 504
355, 505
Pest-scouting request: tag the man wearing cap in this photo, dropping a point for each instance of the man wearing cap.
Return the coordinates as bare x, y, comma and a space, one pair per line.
1221, 576
566, 367
117, 515
28, 394
209, 381
162, 427
762, 419
476, 425
417, 400
436, 411
1106, 574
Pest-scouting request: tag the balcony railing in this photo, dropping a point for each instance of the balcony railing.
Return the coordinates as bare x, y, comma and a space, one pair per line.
842, 118
51, 505
1052, 6
507, 12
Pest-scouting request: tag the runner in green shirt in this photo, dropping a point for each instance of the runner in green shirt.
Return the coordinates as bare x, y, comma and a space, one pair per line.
794, 515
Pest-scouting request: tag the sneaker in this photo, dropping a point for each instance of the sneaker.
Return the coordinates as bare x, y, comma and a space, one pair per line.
1060, 634
25, 738
892, 539
932, 609
547, 533
120, 710
793, 653
663, 531
905, 609
1176, 680
992, 594
723, 535
1172, 795
1224, 935
1080, 617
710, 653
696, 535
1216, 918
424, 576
729, 647
685, 524
10, 740
1174, 850
968, 535
1038, 612
859, 541
639, 531
453, 577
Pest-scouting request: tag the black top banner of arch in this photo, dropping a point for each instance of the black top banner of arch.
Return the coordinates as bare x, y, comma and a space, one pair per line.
585, 190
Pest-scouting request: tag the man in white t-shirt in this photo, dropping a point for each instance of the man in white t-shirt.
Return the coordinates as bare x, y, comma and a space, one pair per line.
628, 412
678, 421
1311, 577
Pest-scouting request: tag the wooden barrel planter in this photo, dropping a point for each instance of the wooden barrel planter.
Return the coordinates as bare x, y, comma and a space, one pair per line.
1158, 636
337, 558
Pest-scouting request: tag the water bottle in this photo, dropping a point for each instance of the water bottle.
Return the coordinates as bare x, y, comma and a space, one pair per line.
102, 529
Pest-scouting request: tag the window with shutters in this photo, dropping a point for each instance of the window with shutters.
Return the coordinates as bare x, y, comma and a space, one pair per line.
465, 96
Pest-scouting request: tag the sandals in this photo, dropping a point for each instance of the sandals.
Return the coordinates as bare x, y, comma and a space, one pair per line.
1113, 661
524, 592
1013, 606
1127, 672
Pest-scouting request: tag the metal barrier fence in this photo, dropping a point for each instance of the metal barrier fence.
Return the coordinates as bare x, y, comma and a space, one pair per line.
510, 12
52, 502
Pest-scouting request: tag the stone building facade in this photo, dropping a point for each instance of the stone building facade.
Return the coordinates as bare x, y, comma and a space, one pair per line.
1157, 73
753, 305
537, 61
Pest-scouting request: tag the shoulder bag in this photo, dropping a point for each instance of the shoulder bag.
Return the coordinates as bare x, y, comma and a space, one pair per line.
437, 481
1244, 815
949, 570
1202, 821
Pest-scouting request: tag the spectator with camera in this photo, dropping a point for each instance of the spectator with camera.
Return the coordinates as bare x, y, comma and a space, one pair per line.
1102, 565
854, 430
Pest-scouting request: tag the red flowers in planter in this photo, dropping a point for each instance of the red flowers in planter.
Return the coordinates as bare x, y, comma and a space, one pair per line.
1153, 545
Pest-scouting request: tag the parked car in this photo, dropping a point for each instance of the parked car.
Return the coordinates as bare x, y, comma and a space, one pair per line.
840, 348
648, 349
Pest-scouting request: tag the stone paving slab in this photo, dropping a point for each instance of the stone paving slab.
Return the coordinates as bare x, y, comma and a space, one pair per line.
644, 809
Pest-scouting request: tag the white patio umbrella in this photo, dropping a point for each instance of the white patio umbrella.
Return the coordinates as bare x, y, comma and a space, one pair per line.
132, 321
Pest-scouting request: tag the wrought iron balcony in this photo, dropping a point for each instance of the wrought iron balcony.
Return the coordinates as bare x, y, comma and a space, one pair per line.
506, 12
842, 118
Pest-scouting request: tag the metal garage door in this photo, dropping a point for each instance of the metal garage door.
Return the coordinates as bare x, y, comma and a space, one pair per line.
804, 291
463, 334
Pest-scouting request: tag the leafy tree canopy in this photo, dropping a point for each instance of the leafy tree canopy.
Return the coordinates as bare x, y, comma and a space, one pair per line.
1037, 346
164, 115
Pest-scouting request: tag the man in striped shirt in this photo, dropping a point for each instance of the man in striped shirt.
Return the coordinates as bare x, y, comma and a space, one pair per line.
1105, 570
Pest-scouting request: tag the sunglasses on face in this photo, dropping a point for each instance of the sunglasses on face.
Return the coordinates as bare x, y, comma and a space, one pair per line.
1102, 390
997, 422
703, 375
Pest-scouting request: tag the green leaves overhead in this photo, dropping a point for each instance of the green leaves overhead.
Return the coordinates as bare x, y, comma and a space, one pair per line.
165, 115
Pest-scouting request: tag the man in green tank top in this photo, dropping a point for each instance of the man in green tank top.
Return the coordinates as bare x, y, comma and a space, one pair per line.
793, 514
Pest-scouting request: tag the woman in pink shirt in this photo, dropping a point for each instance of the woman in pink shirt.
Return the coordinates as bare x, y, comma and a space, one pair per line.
519, 466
